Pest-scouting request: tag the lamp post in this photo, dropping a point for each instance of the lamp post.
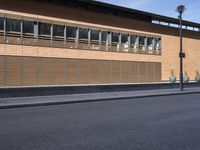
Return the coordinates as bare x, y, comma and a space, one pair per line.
180, 9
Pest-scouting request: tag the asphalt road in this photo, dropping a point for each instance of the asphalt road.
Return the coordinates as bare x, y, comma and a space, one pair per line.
159, 123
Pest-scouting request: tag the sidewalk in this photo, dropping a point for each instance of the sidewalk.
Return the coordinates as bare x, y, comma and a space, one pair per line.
6, 103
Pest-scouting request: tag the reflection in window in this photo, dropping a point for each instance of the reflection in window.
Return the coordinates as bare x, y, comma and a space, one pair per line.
83, 39
28, 27
13, 25
71, 37
134, 40
104, 36
1, 23
150, 43
157, 44
44, 29
105, 40
71, 32
94, 43
134, 43
94, 35
13, 28
142, 42
83, 34
58, 36
124, 38
29, 37
44, 34
58, 30
124, 43
115, 37
1, 30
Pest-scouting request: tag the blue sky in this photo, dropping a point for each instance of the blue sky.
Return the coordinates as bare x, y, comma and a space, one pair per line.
163, 7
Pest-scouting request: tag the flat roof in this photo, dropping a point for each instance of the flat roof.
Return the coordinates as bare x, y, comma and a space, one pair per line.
92, 5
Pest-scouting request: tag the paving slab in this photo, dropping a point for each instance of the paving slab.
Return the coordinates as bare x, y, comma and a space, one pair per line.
6, 103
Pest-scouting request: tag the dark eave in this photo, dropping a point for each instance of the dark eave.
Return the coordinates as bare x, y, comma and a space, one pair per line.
115, 10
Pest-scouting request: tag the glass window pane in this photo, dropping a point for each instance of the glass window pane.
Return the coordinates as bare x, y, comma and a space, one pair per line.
150, 41
142, 40
115, 37
124, 38
13, 25
94, 35
71, 32
28, 27
134, 39
83, 33
158, 43
104, 36
44, 29
58, 30
1, 23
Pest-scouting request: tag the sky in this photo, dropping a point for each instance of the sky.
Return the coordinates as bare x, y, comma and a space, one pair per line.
163, 7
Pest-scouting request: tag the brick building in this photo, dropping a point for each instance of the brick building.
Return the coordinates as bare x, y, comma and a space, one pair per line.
64, 42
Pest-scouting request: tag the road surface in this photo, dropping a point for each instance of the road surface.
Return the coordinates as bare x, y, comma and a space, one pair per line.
156, 123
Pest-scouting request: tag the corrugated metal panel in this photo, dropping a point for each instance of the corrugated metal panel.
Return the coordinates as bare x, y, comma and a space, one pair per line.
72, 71
142, 72
45, 71
13, 71
125, 72
2, 63
134, 72
84, 71
58, 71
158, 73
106, 71
29, 76
96, 74
115, 71
150, 72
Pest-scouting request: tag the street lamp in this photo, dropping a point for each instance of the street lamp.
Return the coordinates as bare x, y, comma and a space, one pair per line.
180, 9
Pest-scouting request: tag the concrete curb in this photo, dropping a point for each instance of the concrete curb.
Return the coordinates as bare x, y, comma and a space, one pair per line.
92, 100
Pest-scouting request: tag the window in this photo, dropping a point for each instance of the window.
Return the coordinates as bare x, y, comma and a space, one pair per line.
94, 35
44, 29
124, 43
149, 41
104, 36
28, 27
1, 23
71, 32
124, 38
150, 44
158, 43
134, 39
83, 34
142, 40
13, 25
115, 37
58, 30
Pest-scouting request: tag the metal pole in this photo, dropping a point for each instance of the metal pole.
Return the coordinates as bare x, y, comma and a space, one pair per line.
181, 54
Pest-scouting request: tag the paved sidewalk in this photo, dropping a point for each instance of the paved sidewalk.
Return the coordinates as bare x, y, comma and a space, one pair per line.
6, 103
